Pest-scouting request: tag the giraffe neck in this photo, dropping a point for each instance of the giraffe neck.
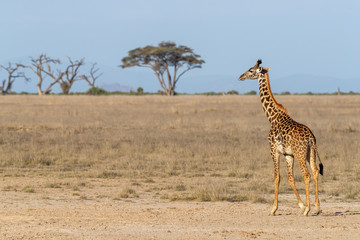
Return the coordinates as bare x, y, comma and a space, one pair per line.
271, 108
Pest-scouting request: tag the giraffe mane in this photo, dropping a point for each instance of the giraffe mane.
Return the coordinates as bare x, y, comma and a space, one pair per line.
272, 96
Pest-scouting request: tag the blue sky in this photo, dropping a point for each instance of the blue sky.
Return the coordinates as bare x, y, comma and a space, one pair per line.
309, 45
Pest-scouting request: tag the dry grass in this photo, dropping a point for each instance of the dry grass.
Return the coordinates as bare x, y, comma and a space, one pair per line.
182, 148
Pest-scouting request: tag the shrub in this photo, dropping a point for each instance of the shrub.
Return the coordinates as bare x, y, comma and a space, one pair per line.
140, 90
160, 92
96, 91
233, 92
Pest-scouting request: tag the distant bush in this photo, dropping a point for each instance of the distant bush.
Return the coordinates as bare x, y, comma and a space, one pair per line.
285, 93
160, 92
96, 91
233, 92
253, 92
140, 90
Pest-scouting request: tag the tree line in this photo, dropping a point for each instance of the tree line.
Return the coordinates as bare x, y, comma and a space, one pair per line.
167, 60
45, 67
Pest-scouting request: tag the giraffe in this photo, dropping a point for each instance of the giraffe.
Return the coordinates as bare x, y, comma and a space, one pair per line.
289, 138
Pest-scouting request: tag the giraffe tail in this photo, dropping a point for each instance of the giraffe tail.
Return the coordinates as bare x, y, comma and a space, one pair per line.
321, 166
313, 147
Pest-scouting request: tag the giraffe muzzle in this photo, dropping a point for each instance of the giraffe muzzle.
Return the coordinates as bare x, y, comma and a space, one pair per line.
242, 78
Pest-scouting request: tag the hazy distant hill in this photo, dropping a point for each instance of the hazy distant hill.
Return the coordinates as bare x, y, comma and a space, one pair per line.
294, 84
117, 79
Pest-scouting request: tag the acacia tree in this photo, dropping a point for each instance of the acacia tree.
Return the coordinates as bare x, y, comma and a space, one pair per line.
70, 75
43, 67
56, 76
93, 75
162, 59
13, 74
39, 66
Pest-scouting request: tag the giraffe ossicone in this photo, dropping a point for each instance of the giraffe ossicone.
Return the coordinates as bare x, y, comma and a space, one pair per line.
289, 138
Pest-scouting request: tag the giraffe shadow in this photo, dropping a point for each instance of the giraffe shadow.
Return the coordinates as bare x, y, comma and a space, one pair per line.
327, 214
344, 213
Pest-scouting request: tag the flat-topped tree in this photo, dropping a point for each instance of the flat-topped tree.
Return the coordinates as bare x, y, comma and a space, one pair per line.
165, 59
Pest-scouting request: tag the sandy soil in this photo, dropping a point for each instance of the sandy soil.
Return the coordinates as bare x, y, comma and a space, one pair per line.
58, 214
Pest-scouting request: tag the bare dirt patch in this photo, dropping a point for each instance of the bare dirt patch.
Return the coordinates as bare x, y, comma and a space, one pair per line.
56, 213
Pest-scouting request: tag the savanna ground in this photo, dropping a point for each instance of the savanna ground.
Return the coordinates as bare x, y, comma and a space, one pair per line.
186, 167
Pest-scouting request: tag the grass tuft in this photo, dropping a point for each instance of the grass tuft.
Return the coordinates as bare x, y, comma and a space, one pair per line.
127, 193
28, 189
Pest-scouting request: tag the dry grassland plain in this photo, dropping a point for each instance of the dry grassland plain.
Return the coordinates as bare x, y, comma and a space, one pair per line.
155, 167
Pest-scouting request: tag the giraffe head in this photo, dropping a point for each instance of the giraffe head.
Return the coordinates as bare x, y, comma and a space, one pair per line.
255, 72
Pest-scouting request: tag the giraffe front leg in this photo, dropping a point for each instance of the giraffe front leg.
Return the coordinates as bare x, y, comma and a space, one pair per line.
275, 156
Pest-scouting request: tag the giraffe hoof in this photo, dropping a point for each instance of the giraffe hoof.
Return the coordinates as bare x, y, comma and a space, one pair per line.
306, 211
302, 206
273, 211
318, 212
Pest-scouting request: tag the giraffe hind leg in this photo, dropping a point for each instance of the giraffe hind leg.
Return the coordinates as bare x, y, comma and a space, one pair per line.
301, 158
315, 172
290, 167
307, 183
